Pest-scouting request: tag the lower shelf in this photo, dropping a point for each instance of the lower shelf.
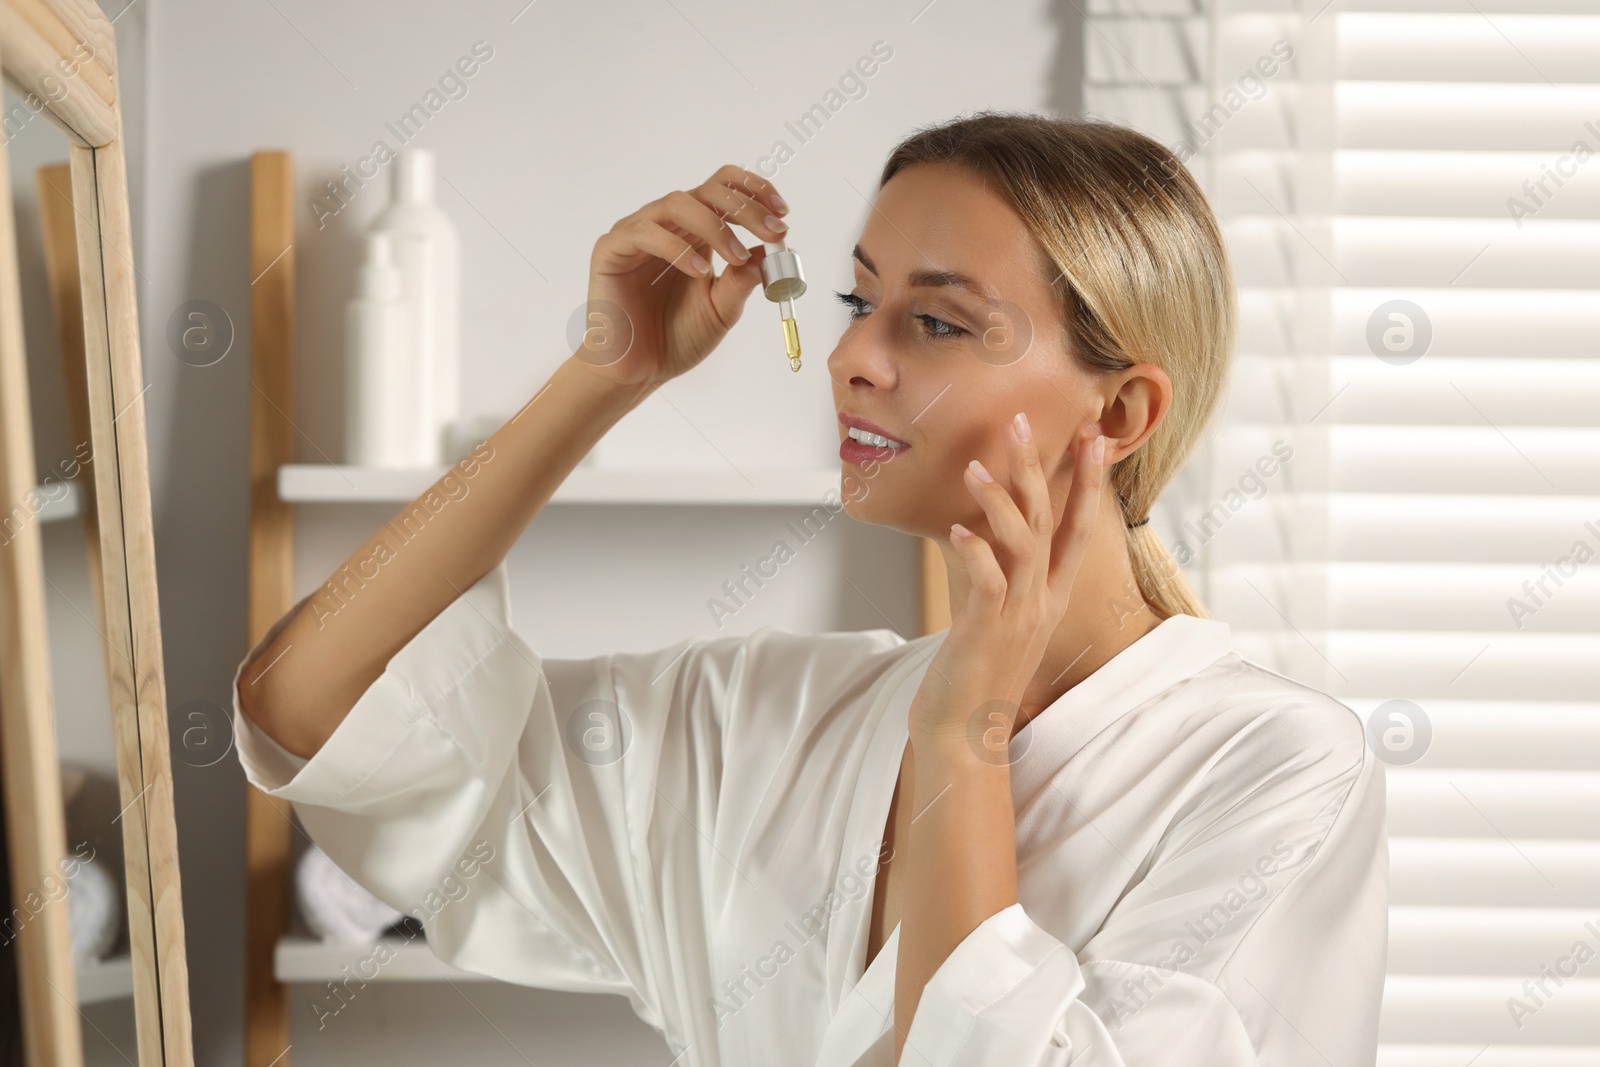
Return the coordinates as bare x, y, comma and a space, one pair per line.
59, 500
299, 958
107, 979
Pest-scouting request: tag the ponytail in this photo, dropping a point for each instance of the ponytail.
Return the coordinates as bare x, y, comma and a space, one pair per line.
1163, 586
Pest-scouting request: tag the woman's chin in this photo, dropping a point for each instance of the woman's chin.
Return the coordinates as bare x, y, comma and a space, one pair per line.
862, 508
875, 509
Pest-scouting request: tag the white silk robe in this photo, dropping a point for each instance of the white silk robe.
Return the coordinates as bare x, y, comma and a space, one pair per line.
1202, 863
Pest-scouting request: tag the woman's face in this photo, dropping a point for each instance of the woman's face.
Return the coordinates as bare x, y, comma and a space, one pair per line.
954, 330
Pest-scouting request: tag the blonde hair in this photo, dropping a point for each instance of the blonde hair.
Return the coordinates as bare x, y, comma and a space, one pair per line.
1142, 274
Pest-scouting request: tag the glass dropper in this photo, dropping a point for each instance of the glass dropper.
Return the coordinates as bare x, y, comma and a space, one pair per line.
780, 271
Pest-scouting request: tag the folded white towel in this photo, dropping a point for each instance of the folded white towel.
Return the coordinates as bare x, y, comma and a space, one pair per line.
334, 907
94, 912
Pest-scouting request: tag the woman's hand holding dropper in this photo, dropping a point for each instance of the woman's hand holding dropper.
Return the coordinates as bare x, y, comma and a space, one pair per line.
654, 309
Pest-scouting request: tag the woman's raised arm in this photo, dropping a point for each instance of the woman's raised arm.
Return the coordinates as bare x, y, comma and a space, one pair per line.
303, 683
656, 310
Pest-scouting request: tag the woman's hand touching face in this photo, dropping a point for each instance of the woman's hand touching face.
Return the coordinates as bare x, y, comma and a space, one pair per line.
654, 309
1019, 587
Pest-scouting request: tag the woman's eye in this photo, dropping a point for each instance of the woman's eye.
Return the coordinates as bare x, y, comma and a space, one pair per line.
933, 327
857, 305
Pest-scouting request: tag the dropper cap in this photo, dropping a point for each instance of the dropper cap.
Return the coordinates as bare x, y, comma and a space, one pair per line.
780, 273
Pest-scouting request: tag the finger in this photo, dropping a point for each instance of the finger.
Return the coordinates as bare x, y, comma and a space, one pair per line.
1080, 516
1010, 529
657, 240
697, 220
733, 287
754, 186
987, 580
1032, 492
734, 206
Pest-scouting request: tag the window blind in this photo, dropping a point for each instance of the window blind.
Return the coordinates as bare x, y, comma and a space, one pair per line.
1412, 205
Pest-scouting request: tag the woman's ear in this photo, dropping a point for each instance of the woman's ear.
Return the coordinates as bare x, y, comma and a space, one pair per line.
1139, 399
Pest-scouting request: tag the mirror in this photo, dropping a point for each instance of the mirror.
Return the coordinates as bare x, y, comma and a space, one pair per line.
91, 940
90, 880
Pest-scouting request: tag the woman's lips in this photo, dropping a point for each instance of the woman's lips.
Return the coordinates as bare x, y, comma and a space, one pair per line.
856, 422
853, 451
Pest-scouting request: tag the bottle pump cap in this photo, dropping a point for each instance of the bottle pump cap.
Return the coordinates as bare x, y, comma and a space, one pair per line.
413, 176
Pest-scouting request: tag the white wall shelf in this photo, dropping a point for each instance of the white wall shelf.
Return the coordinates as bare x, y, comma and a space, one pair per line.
301, 958
316, 483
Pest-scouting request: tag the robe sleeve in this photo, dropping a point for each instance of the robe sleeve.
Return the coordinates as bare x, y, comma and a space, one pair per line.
1257, 936
503, 797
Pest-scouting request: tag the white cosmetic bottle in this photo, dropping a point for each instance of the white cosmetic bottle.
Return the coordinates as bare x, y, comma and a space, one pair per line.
383, 390
430, 288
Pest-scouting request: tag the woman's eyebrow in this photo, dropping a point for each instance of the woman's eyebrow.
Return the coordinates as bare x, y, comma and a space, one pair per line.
932, 278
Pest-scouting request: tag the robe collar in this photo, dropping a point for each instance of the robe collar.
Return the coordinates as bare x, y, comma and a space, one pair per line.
861, 1005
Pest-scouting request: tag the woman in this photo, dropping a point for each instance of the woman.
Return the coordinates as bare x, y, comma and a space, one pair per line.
1073, 827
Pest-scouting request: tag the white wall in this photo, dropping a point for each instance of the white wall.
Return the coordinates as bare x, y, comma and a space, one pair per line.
583, 113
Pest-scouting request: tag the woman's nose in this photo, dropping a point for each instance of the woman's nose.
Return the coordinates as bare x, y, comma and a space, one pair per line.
863, 357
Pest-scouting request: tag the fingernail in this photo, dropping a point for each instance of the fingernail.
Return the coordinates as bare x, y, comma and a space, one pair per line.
1024, 431
958, 530
740, 252
780, 203
981, 474
775, 223
697, 263
1099, 452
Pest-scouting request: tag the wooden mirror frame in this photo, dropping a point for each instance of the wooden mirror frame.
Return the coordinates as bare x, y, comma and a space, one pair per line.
62, 53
